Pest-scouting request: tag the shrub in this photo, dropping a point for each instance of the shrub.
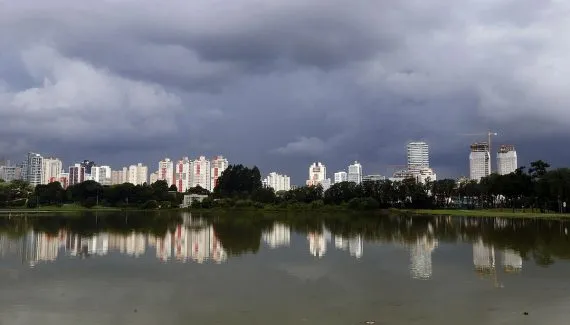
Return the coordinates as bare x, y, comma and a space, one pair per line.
369, 204
207, 203
150, 205
32, 204
258, 205
165, 204
243, 203
89, 202
317, 204
354, 203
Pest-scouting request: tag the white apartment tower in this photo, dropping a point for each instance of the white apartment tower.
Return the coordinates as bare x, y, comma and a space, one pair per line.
33, 166
102, 175
317, 174
51, 170
479, 161
355, 173
200, 175
340, 177
278, 182
166, 171
137, 174
418, 155
506, 160
182, 174
219, 164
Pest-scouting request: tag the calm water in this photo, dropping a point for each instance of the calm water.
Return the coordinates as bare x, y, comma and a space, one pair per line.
184, 269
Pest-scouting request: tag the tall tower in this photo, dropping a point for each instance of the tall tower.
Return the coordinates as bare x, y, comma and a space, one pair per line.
355, 173
506, 160
34, 167
317, 174
201, 173
418, 155
219, 164
479, 161
166, 171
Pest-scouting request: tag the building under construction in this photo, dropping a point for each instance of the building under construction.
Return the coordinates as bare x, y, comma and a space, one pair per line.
507, 161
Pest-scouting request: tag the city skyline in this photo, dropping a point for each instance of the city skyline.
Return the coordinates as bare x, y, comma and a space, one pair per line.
185, 173
290, 97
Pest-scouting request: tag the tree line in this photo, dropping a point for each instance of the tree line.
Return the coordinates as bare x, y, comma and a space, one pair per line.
537, 187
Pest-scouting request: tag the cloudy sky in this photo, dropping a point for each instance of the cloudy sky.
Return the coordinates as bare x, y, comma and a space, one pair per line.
281, 83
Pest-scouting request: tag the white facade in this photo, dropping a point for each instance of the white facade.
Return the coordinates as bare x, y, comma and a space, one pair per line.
34, 165
137, 174
317, 174
355, 173
506, 160
479, 161
418, 155
182, 174
102, 174
219, 164
166, 171
153, 177
278, 182
200, 175
424, 174
51, 170
340, 177
373, 178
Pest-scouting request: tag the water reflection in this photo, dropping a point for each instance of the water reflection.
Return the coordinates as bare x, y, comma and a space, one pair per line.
184, 239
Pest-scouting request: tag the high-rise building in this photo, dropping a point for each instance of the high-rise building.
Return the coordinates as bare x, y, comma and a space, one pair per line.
117, 177
200, 175
479, 161
278, 182
317, 174
166, 171
88, 164
51, 170
418, 155
10, 173
153, 178
182, 174
340, 177
506, 160
219, 164
101, 174
355, 173
64, 179
34, 165
137, 174
76, 174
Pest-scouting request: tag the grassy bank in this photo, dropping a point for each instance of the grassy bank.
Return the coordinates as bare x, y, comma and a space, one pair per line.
66, 208
507, 213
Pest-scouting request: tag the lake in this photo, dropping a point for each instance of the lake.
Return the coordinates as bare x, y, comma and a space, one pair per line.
182, 268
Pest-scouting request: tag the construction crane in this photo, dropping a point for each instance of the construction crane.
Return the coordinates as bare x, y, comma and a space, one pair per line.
489, 134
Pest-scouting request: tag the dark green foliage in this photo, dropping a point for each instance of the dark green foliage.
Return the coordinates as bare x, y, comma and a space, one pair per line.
150, 205
263, 195
89, 202
238, 181
198, 190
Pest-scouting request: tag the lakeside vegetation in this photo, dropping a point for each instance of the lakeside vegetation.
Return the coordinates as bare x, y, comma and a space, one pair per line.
537, 190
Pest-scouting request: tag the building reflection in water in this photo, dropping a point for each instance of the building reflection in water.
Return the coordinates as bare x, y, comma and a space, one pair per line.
353, 245
485, 263
183, 245
278, 236
420, 257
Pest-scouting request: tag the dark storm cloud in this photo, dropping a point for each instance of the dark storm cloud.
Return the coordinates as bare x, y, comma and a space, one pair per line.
282, 83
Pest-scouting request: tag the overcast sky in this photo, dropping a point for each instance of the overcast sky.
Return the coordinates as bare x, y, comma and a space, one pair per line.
282, 83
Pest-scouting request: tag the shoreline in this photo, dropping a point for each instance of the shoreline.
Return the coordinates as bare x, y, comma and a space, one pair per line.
496, 213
